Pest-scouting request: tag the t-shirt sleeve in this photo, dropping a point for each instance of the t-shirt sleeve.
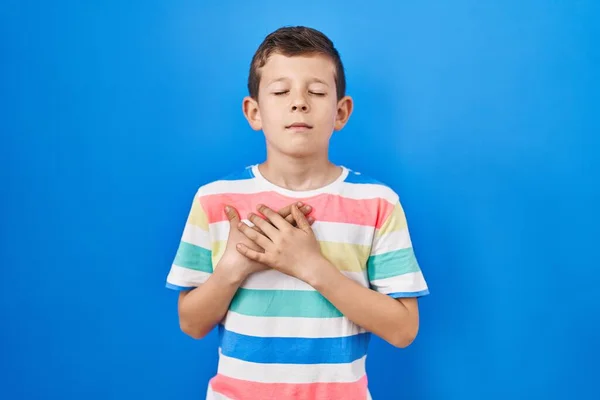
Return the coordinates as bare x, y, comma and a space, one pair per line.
192, 265
392, 266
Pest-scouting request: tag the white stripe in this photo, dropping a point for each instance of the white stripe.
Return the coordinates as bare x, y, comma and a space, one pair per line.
275, 280
291, 373
324, 231
410, 282
347, 190
212, 395
240, 186
343, 233
180, 276
290, 326
396, 240
197, 236
219, 231
360, 191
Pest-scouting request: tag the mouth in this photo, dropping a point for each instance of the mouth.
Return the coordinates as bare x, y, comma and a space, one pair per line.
299, 126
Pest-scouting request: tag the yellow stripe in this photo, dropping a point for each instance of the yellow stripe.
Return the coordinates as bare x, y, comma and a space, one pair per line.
395, 222
218, 248
197, 215
345, 256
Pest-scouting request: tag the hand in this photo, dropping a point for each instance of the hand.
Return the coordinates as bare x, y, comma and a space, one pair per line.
286, 213
241, 267
292, 250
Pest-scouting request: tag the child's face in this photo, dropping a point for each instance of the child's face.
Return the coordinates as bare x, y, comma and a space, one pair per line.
297, 106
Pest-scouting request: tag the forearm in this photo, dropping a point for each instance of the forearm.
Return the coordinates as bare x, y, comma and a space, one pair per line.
205, 306
378, 313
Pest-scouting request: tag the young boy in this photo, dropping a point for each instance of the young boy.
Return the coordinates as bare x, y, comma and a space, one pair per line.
295, 297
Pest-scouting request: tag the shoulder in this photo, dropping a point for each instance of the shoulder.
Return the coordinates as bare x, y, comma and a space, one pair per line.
237, 181
363, 186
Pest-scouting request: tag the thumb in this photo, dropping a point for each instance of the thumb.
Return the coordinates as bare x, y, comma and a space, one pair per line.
232, 215
300, 219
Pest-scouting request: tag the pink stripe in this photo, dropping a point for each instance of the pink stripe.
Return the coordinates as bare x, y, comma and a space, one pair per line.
237, 389
327, 207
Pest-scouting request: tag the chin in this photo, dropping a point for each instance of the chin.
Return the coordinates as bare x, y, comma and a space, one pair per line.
297, 147
298, 151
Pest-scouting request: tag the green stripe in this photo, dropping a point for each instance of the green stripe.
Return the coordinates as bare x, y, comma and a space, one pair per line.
193, 257
393, 263
283, 303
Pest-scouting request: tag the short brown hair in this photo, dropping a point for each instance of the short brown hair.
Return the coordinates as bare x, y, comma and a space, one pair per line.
295, 41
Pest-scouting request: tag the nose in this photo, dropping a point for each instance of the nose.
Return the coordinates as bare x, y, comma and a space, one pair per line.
300, 104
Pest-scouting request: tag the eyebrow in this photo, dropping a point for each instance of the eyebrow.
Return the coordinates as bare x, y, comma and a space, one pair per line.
311, 80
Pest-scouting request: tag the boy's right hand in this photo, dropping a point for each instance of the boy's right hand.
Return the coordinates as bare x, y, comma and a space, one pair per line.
241, 267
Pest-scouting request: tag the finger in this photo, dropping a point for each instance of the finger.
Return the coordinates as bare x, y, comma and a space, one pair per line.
256, 237
250, 243
267, 229
287, 210
256, 228
290, 219
232, 215
273, 217
301, 220
305, 210
251, 254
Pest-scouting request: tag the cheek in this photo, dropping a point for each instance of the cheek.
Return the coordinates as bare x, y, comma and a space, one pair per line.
270, 113
328, 115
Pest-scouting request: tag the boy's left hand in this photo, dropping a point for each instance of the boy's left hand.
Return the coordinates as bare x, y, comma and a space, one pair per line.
292, 250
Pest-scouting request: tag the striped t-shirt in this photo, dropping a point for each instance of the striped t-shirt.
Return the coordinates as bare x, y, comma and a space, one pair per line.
281, 339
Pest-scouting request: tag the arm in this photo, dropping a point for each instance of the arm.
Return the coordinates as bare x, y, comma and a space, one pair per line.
296, 252
202, 308
206, 295
394, 320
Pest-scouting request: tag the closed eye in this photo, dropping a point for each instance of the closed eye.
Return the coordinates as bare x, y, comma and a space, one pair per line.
318, 93
280, 93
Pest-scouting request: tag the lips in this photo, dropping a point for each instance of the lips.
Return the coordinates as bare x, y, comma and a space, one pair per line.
299, 125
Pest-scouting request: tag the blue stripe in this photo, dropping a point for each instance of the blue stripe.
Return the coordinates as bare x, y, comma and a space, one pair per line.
175, 287
246, 173
354, 177
280, 350
193, 257
398, 295
393, 263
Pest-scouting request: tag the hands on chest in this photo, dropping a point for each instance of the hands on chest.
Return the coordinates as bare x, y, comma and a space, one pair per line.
282, 240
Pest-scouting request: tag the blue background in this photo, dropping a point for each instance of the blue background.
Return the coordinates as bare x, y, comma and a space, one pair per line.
482, 115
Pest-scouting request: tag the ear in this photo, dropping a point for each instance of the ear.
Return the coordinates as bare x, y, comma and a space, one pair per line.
344, 110
252, 113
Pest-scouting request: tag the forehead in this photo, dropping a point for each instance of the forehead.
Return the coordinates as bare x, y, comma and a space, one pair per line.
300, 67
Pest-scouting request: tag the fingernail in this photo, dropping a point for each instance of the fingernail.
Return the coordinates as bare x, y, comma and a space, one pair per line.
308, 208
299, 204
227, 208
311, 220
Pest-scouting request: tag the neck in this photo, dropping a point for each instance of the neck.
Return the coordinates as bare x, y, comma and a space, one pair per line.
299, 174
